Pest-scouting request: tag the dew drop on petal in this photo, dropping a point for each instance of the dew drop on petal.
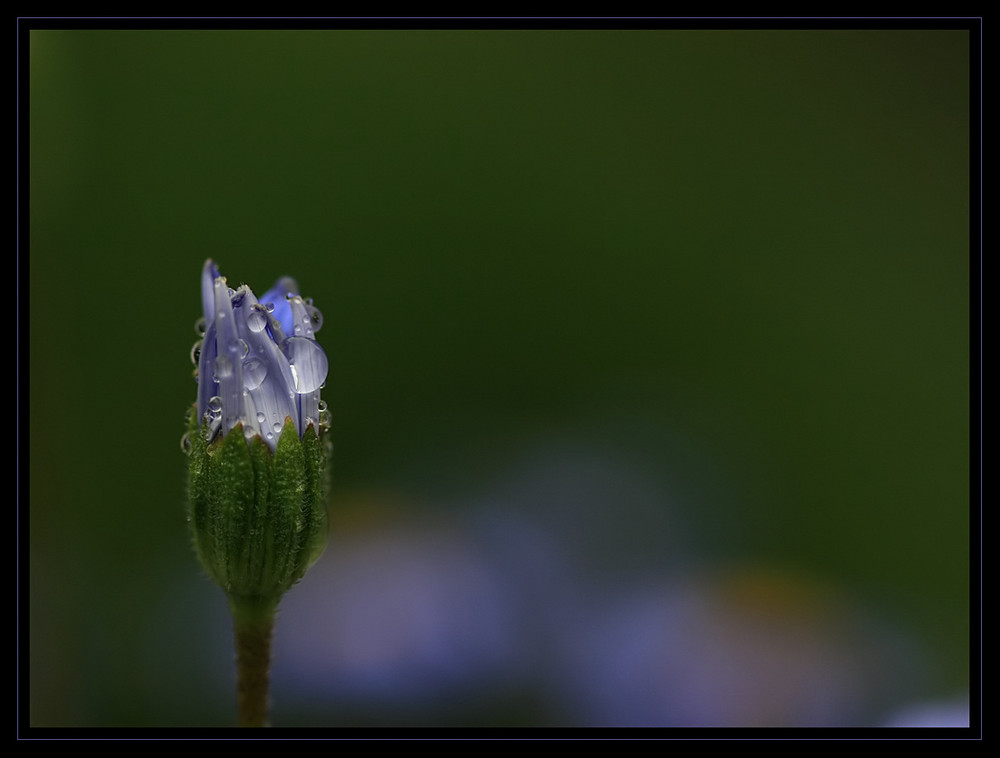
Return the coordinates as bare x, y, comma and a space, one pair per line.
315, 317
261, 417
308, 363
223, 368
276, 427
256, 319
200, 327
214, 406
269, 307
196, 352
254, 373
214, 422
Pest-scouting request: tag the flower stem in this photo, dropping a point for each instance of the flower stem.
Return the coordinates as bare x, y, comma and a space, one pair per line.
252, 627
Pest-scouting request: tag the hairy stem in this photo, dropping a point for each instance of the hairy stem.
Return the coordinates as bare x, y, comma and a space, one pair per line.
252, 626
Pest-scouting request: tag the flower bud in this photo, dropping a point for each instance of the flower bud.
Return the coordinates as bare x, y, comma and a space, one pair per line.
258, 453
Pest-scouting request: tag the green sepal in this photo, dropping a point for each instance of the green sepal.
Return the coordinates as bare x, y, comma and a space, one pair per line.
222, 494
314, 527
258, 520
285, 517
198, 485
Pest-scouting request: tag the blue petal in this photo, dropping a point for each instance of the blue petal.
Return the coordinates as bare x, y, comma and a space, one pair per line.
278, 295
258, 366
309, 364
267, 377
228, 368
207, 386
209, 273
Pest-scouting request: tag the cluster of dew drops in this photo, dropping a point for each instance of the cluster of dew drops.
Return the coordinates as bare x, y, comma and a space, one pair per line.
253, 369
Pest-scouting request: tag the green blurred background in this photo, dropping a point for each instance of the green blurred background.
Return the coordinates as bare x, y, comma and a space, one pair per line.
753, 244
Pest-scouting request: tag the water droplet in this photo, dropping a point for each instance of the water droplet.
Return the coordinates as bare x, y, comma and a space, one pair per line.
269, 307
308, 363
223, 368
256, 319
212, 428
276, 427
270, 436
214, 406
315, 317
321, 405
254, 373
196, 352
261, 417
186, 443
200, 327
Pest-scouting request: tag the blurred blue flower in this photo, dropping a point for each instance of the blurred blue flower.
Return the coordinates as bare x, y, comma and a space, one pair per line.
259, 362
